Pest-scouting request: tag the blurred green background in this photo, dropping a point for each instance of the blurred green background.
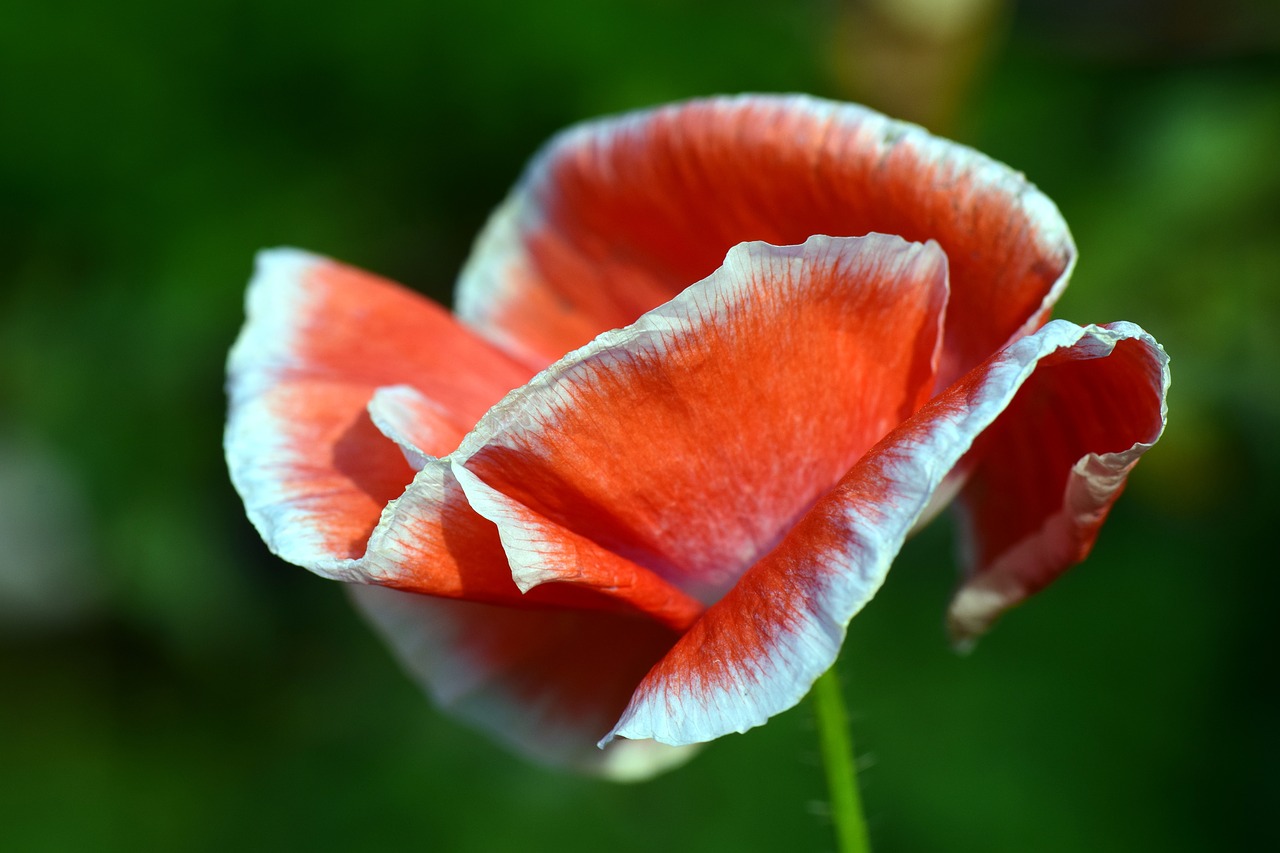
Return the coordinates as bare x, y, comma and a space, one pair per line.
168, 685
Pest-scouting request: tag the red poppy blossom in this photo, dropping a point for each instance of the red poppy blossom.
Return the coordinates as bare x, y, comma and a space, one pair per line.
660, 537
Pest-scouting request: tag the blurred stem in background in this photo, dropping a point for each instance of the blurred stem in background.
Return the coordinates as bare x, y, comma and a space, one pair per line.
916, 59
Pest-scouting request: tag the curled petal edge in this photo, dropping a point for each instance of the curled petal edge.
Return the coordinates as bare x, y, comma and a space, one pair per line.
303, 443
692, 439
759, 650
464, 655
616, 215
1017, 533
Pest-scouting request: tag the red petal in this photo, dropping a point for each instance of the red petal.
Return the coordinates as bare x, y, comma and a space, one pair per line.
1046, 473
546, 682
615, 217
757, 651
420, 427
313, 470
341, 385
542, 552
432, 541
690, 442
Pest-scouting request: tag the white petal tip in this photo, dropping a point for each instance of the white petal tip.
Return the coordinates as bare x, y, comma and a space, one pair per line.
283, 259
973, 611
640, 760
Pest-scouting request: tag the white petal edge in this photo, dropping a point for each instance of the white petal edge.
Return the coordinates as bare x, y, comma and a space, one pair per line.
498, 253
712, 300
1087, 496
412, 420
696, 712
255, 438
423, 633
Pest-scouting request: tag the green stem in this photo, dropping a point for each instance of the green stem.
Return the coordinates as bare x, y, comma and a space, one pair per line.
837, 758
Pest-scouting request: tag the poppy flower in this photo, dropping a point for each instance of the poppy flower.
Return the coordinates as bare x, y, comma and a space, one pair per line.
711, 364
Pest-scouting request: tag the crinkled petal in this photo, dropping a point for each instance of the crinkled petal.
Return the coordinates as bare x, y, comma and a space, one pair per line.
1045, 474
311, 466
614, 217
691, 441
432, 540
342, 385
546, 682
419, 426
542, 552
758, 650
547, 670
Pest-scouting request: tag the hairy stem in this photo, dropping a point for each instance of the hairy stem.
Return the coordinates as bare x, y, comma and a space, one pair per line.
837, 757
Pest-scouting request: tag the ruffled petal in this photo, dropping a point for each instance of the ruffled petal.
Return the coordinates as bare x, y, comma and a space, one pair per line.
433, 541
546, 682
421, 428
547, 670
313, 469
1045, 474
758, 650
691, 441
542, 552
614, 217
430, 541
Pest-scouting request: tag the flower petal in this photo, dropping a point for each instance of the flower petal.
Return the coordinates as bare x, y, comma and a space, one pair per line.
1045, 474
689, 442
320, 338
542, 552
415, 423
614, 217
543, 681
548, 670
758, 650
431, 540
323, 441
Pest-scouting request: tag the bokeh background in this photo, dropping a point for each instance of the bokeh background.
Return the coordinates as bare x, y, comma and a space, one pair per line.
165, 684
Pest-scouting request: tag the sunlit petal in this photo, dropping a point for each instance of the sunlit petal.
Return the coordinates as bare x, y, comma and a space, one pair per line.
1045, 474
691, 441
758, 650
615, 217
313, 469
540, 681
